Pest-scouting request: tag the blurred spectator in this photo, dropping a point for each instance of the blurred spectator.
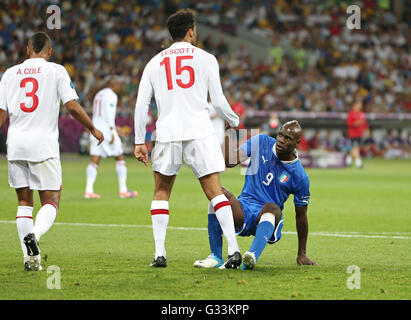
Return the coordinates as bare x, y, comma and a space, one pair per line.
343, 143
303, 146
357, 125
84, 143
407, 146
370, 148
315, 141
239, 109
393, 146
326, 143
272, 126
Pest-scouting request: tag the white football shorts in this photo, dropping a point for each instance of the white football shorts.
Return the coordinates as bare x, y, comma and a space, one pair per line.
45, 175
204, 156
106, 149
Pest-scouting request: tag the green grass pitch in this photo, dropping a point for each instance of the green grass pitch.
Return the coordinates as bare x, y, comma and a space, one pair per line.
103, 248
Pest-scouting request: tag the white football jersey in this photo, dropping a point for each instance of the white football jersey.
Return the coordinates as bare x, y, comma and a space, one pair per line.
181, 78
104, 111
218, 123
31, 93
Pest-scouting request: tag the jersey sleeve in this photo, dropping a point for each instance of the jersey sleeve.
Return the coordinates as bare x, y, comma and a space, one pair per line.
145, 93
3, 93
302, 192
65, 87
218, 100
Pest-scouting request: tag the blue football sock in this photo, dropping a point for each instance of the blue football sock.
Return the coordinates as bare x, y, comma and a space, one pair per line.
263, 233
215, 236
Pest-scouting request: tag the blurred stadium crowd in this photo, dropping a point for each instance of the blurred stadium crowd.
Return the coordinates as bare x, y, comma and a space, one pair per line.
392, 145
317, 64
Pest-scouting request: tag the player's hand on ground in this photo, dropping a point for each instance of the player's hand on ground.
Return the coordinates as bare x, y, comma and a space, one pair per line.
98, 135
303, 260
141, 153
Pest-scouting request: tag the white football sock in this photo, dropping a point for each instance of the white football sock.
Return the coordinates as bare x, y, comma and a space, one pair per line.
121, 169
91, 177
44, 220
24, 222
358, 163
160, 217
224, 214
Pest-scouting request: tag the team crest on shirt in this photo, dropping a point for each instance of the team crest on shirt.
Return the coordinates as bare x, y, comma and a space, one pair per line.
283, 178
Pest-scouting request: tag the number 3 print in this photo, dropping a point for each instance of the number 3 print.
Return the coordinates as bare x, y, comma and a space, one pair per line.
31, 94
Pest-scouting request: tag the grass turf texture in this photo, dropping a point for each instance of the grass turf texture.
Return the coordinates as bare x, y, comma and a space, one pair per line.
366, 214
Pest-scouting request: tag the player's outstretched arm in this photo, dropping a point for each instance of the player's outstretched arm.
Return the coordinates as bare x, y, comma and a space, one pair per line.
302, 232
3, 117
233, 154
218, 100
78, 113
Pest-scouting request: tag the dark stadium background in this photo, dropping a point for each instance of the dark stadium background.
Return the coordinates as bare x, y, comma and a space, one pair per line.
279, 60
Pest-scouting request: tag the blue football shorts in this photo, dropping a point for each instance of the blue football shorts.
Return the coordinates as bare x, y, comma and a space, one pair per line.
251, 211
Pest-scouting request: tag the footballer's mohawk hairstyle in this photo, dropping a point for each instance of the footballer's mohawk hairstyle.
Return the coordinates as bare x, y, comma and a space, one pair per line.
179, 23
294, 126
39, 41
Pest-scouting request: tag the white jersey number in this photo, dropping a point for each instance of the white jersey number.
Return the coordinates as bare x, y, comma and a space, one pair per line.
268, 178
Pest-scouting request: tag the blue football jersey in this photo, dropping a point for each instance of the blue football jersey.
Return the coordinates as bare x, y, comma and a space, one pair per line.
268, 179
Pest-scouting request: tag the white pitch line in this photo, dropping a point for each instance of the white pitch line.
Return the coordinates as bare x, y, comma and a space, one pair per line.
382, 235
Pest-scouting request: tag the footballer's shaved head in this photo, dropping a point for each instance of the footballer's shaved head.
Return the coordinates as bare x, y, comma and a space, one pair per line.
39, 42
39, 46
115, 82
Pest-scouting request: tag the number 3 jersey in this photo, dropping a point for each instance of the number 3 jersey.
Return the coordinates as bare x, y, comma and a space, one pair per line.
31, 93
268, 179
181, 78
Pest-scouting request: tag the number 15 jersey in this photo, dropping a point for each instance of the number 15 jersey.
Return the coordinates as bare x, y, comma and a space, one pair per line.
181, 77
31, 93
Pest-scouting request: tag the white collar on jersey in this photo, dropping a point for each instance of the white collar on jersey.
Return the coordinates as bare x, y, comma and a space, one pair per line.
181, 43
286, 162
35, 59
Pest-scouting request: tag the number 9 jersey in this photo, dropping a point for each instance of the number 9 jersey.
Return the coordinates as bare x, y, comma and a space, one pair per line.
268, 179
31, 93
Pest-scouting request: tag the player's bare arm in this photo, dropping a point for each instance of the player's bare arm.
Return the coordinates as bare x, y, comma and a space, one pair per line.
78, 113
302, 232
3, 117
